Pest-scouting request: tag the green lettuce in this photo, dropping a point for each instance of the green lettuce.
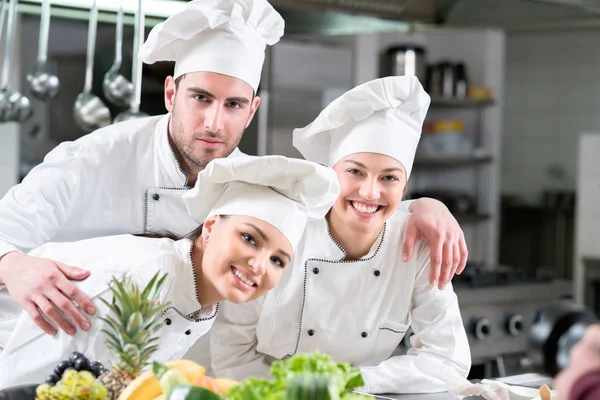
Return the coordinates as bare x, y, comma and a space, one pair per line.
300, 370
345, 376
253, 389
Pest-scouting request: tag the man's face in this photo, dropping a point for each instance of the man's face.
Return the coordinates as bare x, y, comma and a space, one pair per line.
209, 113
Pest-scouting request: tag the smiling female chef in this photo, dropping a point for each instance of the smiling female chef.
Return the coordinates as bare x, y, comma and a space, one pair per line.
253, 210
347, 291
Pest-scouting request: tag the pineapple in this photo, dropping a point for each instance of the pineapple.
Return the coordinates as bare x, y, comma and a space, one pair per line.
131, 332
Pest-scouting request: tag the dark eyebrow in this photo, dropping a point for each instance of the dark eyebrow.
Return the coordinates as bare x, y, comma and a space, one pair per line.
361, 165
266, 238
208, 94
241, 100
202, 92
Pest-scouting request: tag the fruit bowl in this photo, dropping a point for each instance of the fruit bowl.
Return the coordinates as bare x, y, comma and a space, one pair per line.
21, 392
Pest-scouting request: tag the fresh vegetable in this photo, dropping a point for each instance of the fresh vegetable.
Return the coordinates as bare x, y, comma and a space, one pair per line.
168, 378
190, 392
253, 389
345, 376
311, 387
311, 376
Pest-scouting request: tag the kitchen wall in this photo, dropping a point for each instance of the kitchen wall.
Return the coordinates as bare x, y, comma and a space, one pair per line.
10, 132
552, 95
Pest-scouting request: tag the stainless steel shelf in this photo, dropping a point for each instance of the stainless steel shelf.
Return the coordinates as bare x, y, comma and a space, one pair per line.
459, 103
454, 161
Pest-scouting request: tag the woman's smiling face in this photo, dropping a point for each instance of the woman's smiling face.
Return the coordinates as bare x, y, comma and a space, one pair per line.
372, 186
244, 257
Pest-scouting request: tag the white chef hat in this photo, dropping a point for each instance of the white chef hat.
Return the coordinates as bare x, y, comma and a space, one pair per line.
382, 116
285, 192
228, 37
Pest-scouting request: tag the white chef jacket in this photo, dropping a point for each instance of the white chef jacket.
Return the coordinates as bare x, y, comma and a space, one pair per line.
356, 312
29, 355
123, 178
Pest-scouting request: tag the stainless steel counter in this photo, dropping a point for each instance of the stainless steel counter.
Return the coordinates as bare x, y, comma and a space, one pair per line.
434, 396
532, 380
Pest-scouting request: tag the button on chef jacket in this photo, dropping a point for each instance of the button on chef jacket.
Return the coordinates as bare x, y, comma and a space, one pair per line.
357, 312
28, 355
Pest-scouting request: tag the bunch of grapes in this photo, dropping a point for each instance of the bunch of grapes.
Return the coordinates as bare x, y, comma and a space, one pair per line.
74, 379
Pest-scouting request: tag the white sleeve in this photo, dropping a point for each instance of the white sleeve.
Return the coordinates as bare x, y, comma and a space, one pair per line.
32, 212
439, 342
405, 206
31, 355
233, 342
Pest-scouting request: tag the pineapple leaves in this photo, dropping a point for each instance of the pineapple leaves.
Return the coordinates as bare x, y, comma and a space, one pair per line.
131, 328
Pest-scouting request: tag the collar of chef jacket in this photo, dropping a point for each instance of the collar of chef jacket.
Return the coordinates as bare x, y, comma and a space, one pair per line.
332, 250
167, 161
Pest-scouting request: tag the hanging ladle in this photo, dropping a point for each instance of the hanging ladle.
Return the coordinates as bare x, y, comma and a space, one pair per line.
117, 89
3, 97
44, 85
89, 111
13, 105
136, 70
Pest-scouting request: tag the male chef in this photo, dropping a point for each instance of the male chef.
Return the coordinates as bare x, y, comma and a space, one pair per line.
129, 177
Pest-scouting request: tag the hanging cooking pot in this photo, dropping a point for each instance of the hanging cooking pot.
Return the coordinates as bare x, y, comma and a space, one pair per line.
555, 330
408, 60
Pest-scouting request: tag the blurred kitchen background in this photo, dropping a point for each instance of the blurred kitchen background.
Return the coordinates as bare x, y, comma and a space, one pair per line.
511, 144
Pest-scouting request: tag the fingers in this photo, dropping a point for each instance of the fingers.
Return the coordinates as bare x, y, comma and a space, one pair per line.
73, 273
409, 241
62, 300
32, 310
446, 266
455, 259
436, 249
464, 254
72, 292
53, 315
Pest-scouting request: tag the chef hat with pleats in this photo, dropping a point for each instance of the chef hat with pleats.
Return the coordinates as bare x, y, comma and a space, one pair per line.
382, 116
228, 37
284, 192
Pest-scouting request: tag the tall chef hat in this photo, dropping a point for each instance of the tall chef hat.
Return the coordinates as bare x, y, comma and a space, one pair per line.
382, 116
228, 37
285, 192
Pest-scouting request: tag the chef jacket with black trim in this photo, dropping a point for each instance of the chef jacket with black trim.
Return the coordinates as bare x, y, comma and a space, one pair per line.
28, 355
354, 311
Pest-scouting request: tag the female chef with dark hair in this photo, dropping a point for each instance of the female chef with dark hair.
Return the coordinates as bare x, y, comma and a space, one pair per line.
348, 292
253, 212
